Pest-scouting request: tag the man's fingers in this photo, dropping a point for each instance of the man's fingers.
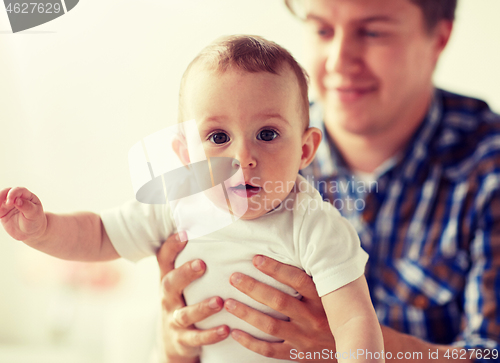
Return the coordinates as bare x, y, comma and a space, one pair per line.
288, 275
267, 349
176, 281
197, 338
267, 295
192, 314
168, 252
269, 325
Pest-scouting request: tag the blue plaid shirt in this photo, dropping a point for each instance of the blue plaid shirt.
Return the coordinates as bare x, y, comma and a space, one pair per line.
431, 224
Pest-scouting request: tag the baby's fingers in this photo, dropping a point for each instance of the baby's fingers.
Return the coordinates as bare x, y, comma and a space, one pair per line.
29, 210
25, 201
4, 209
20, 192
3, 194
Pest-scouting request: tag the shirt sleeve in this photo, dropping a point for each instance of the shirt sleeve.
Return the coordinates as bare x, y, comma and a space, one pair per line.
329, 247
137, 230
481, 319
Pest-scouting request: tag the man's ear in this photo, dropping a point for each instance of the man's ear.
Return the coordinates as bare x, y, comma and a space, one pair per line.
442, 34
179, 146
310, 142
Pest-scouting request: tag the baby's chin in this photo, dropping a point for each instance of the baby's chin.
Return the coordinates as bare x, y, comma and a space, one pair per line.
254, 213
248, 216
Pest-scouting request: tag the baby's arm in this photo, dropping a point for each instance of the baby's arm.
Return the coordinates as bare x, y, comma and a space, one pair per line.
354, 323
79, 236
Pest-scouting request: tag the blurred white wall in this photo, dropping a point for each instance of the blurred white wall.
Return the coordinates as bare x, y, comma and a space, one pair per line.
77, 93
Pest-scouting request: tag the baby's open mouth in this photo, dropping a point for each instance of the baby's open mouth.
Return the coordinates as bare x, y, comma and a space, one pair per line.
245, 190
246, 186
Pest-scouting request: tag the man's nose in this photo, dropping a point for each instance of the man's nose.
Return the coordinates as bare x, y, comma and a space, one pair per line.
245, 156
344, 54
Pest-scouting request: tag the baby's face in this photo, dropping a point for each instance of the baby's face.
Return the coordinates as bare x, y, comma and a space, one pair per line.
255, 118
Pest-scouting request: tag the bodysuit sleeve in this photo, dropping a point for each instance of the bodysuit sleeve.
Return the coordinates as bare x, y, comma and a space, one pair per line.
137, 230
328, 246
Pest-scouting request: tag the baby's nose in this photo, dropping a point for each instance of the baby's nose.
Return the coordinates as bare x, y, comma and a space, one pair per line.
245, 158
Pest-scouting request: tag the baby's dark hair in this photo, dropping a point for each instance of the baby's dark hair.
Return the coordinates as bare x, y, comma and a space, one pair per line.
248, 53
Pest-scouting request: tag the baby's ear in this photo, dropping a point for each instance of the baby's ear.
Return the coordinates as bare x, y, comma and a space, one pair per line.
310, 143
179, 146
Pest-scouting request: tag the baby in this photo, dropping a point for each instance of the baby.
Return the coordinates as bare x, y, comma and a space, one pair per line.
248, 98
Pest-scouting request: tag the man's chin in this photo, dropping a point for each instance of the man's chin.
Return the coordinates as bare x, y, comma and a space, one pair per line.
355, 123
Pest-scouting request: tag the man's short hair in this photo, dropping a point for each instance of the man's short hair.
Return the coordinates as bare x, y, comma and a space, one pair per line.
436, 10
433, 10
248, 53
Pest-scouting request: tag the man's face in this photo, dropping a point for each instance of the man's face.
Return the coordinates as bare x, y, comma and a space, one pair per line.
256, 119
371, 62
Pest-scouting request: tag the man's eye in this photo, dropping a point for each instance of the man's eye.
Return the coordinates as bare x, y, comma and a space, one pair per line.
267, 135
325, 32
219, 138
370, 34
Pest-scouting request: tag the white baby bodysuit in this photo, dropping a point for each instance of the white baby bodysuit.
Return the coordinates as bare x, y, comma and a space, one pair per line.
304, 231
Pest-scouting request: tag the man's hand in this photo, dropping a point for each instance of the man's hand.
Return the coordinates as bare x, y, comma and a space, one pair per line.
22, 214
182, 341
307, 330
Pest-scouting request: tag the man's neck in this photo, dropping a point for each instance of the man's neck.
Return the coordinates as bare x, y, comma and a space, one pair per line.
367, 152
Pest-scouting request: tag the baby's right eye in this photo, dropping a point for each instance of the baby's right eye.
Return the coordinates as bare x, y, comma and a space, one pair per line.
219, 138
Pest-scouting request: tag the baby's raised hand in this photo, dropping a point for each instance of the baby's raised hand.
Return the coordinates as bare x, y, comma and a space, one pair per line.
21, 214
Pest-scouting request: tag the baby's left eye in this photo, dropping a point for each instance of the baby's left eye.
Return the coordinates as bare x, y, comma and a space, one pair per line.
267, 135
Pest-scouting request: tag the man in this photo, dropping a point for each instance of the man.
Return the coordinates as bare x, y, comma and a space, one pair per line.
429, 225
